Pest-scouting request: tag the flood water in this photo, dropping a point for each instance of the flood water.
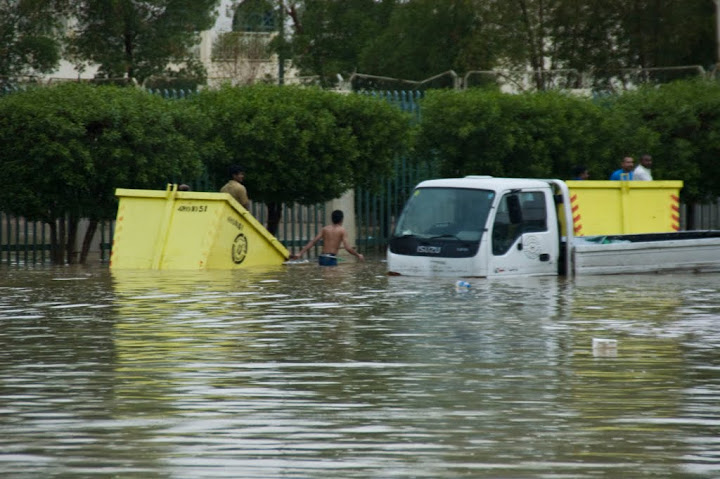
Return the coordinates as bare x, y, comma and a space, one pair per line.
344, 372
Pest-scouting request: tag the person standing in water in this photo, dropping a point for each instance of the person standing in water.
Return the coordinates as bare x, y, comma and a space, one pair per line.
333, 236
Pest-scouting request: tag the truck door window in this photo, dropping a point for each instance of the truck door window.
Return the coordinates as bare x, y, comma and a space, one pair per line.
506, 229
534, 211
514, 209
518, 213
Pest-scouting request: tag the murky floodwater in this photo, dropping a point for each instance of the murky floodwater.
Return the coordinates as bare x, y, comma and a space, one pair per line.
347, 373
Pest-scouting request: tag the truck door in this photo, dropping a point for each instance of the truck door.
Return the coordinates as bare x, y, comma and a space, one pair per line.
523, 239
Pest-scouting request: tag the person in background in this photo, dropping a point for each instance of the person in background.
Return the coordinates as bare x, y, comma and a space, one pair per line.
580, 173
235, 187
333, 236
625, 172
642, 172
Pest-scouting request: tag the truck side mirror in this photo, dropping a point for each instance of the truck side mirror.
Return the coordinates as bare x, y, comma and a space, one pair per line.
514, 209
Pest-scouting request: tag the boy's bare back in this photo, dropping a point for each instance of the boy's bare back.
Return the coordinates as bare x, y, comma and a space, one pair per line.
333, 237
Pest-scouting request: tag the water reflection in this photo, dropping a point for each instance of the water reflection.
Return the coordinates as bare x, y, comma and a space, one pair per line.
302, 371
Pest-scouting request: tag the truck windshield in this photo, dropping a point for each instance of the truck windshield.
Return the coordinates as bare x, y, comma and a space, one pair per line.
445, 213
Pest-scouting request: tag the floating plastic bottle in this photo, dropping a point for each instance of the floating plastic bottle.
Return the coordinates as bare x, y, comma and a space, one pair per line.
604, 347
602, 343
462, 285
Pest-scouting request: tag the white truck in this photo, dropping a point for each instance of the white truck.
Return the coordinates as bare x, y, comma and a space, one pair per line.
481, 226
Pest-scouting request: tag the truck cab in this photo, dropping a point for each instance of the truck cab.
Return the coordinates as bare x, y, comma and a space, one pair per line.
477, 226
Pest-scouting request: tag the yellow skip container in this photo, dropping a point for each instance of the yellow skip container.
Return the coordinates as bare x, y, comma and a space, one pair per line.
625, 207
189, 230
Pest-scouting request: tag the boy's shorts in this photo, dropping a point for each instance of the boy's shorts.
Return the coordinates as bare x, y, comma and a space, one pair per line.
327, 259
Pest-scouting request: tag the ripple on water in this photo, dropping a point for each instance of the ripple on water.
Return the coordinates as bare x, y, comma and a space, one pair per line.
345, 372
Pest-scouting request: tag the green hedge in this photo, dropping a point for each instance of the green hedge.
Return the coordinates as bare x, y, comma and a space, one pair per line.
303, 145
66, 148
545, 134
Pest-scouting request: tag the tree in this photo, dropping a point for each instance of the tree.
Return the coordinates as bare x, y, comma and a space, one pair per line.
30, 36
329, 35
661, 33
302, 145
417, 39
427, 37
603, 40
587, 36
138, 39
67, 148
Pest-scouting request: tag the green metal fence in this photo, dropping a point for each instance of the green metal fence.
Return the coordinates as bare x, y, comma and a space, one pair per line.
298, 223
377, 211
25, 242
29, 242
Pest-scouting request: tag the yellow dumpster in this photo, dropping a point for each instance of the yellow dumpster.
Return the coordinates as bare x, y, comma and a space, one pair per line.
624, 207
189, 230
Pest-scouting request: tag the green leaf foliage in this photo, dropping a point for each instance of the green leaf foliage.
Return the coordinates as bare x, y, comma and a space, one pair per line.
426, 37
382, 133
684, 119
303, 145
329, 34
594, 42
138, 39
67, 148
544, 134
30, 40
535, 135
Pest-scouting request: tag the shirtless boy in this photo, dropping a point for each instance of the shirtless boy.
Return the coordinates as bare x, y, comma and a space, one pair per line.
333, 236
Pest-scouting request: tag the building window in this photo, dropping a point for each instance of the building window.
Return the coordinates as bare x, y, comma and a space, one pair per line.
255, 16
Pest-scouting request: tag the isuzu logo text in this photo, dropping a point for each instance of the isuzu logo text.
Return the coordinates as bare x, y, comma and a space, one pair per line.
429, 249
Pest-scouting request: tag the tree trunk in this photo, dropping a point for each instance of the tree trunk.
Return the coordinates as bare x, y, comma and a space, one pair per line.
87, 240
53, 241
62, 234
274, 215
72, 229
57, 241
